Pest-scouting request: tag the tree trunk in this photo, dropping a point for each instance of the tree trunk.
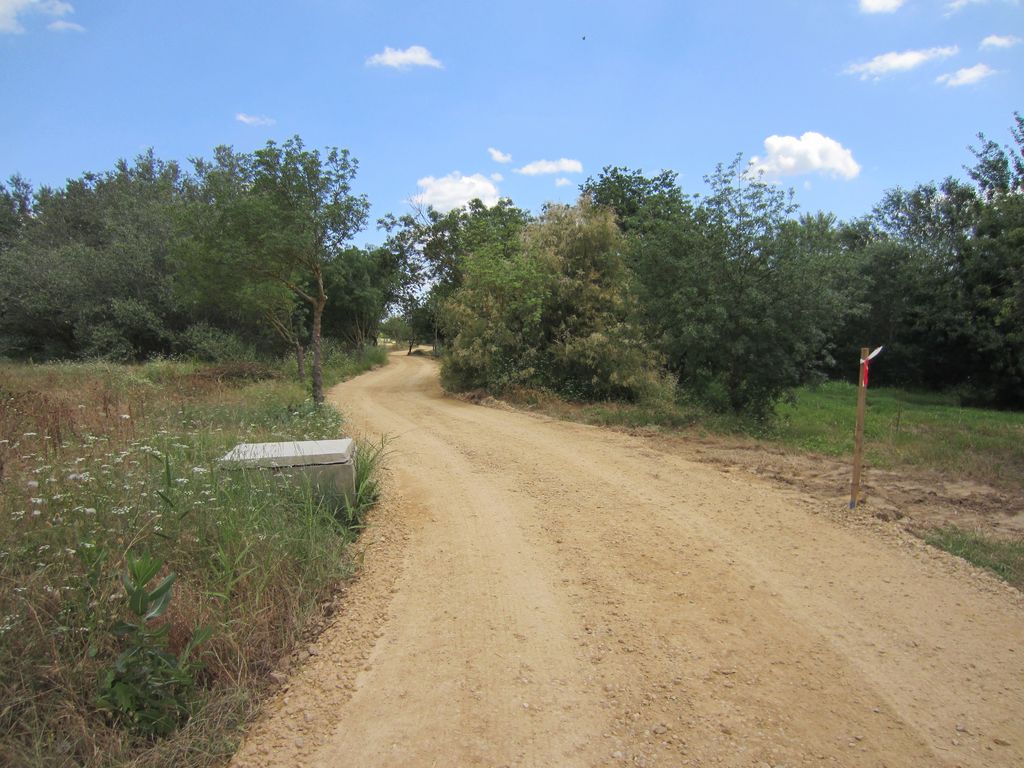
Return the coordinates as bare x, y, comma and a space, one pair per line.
318, 373
300, 359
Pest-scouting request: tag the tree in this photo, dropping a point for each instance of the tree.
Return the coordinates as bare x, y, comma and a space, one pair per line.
86, 273
638, 201
363, 284
1000, 170
736, 294
15, 209
909, 258
274, 222
432, 248
555, 312
213, 268
300, 215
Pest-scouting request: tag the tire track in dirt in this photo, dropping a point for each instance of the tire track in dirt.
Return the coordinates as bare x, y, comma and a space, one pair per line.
544, 593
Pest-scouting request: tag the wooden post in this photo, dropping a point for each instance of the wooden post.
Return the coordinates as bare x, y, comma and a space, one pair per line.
858, 440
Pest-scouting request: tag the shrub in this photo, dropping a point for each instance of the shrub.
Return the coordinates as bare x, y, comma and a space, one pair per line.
202, 341
556, 313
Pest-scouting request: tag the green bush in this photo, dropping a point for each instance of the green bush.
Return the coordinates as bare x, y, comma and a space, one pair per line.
202, 341
556, 313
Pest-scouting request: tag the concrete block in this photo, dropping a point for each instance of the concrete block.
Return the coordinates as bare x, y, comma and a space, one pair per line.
328, 465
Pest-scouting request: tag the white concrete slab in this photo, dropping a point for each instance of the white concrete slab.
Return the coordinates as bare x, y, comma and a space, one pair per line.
302, 453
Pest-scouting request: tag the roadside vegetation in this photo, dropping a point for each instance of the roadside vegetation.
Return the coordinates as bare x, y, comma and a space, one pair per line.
146, 593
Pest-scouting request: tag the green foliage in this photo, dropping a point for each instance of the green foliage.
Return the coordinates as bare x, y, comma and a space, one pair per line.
738, 297
362, 284
147, 261
939, 277
202, 341
999, 171
86, 273
369, 463
396, 328
639, 202
554, 312
148, 687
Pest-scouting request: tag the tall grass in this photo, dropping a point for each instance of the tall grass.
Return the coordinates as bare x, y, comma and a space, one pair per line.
101, 463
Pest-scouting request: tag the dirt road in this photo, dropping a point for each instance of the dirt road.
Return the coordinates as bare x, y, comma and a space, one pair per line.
539, 593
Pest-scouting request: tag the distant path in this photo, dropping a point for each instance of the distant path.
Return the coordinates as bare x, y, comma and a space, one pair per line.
538, 593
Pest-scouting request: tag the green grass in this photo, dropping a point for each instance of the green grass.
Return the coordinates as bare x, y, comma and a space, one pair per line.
100, 461
907, 430
1003, 557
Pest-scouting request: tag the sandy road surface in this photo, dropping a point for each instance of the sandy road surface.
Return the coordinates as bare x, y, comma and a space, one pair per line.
538, 593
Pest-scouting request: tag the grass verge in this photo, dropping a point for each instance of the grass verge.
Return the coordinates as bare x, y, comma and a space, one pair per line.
102, 466
1003, 557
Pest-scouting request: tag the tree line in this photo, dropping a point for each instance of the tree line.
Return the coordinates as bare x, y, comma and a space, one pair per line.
731, 297
242, 255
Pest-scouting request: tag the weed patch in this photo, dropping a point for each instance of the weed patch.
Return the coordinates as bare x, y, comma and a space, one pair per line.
144, 591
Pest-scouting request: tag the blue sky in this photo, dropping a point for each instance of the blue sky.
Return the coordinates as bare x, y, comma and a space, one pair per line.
840, 99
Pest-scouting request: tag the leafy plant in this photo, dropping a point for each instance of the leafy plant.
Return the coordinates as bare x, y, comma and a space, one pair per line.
148, 687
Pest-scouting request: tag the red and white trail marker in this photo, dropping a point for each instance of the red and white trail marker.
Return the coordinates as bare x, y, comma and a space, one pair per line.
858, 436
865, 363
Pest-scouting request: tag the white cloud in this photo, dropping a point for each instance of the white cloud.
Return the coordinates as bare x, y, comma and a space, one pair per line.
413, 56
455, 190
64, 26
966, 76
899, 62
811, 153
10, 10
497, 177
562, 182
958, 5
880, 6
1000, 41
498, 156
564, 165
254, 119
